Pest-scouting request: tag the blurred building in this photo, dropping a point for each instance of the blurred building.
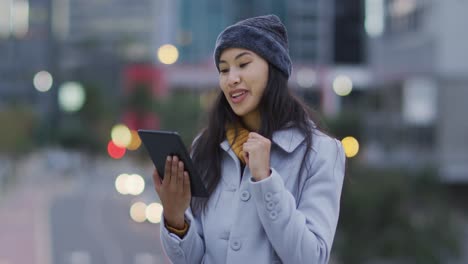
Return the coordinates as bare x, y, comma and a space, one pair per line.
24, 50
309, 23
132, 31
349, 34
418, 57
97, 38
77, 40
326, 40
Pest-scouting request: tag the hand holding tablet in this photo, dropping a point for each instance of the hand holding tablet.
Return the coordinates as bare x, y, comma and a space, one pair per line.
160, 145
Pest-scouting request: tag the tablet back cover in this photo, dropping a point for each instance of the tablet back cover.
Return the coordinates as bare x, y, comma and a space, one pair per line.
160, 144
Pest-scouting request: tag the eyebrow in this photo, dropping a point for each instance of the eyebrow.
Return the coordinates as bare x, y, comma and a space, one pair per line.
238, 56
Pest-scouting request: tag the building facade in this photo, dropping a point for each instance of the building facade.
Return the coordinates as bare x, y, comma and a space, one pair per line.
417, 55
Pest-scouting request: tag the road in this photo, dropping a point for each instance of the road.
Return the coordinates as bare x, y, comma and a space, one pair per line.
79, 220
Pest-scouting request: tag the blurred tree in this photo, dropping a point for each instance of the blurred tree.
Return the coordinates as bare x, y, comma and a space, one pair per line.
140, 100
18, 128
181, 112
88, 129
397, 216
345, 124
19, 124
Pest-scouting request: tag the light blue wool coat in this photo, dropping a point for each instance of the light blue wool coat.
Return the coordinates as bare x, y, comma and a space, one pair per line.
269, 221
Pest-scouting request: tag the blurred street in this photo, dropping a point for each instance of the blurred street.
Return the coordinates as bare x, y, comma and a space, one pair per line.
387, 78
77, 219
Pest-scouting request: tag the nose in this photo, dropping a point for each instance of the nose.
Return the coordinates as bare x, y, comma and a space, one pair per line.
233, 78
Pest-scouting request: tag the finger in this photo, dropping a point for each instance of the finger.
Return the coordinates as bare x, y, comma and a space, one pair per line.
180, 176
175, 162
187, 189
254, 135
246, 157
167, 171
248, 147
157, 181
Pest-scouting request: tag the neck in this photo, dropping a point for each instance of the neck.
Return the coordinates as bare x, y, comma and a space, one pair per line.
252, 121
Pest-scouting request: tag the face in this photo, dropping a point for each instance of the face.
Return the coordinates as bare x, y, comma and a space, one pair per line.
243, 77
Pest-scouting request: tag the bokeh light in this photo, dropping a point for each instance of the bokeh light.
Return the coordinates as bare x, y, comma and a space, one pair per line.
154, 212
71, 96
43, 81
342, 85
115, 151
351, 146
121, 135
168, 54
132, 184
20, 18
138, 212
120, 183
306, 78
374, 21
135, 141
135, 184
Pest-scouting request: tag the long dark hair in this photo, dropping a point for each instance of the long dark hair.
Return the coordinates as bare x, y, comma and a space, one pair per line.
279, 109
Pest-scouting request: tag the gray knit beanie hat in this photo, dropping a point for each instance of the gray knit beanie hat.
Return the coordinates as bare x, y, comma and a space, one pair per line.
264, 35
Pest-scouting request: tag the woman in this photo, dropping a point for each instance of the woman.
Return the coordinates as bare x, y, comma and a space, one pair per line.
273, 177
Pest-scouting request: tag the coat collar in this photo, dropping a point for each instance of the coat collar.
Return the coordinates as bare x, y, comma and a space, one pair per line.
287, 139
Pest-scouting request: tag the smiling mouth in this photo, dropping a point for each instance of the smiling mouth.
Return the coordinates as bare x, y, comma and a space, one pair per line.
238, 97
239, 94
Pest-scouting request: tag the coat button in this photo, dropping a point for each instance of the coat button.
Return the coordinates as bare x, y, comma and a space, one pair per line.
245, 196
270, 205
273, 215
268, 196
235, 244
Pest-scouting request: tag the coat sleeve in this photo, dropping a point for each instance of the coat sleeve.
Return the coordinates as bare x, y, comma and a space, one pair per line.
303, 232
189, 249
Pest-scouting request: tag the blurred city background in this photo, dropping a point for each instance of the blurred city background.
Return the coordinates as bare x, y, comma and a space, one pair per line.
78, 77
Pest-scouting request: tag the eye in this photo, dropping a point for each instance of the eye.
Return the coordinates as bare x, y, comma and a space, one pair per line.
223, 70
244, 64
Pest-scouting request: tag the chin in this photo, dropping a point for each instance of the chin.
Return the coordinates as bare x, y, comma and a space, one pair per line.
239, 113
241, 110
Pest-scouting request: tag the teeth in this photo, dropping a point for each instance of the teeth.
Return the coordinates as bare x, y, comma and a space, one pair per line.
238, 94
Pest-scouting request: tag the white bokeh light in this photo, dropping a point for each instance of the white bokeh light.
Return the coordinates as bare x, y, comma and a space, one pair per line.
153, 213
374, 21
121, 135
43, 81
138, 212
342, 85
71, 96
120, 183
135, 184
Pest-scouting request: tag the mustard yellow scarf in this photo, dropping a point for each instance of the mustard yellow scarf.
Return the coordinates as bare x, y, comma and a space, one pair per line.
242, 137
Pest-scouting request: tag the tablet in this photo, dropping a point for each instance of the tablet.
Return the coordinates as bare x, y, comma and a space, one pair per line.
160, 144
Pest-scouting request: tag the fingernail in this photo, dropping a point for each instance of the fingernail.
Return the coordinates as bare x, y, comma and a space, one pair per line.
168, 158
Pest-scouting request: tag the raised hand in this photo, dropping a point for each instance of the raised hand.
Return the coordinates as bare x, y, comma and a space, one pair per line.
174, 191
257, 155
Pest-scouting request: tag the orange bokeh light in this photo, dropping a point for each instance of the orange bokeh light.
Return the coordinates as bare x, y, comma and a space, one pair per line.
135, 142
